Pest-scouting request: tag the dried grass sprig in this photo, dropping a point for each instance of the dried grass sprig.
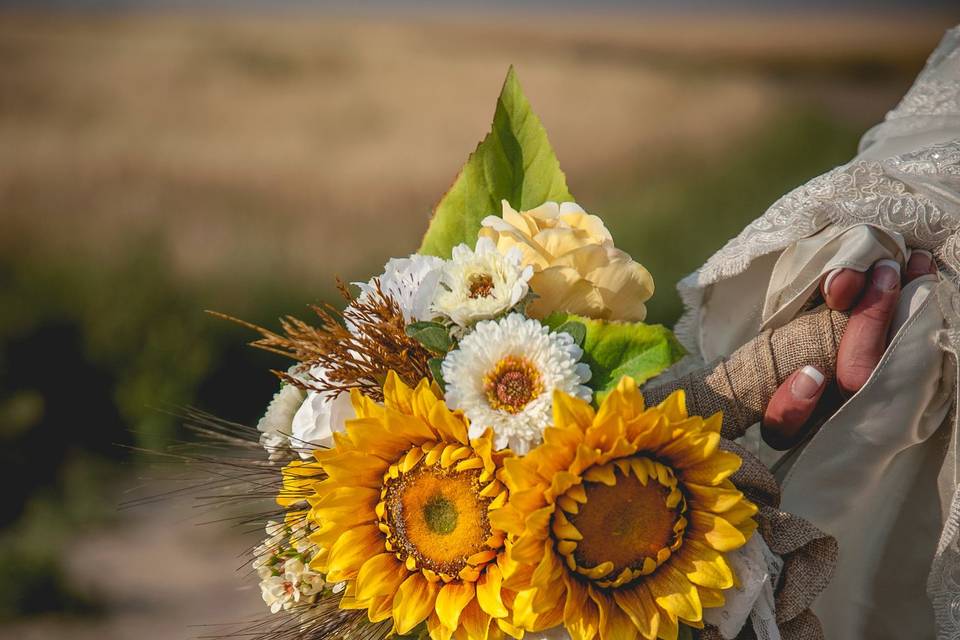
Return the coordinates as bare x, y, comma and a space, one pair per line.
356, 347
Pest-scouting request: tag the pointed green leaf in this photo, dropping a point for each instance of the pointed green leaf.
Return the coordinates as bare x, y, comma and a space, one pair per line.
515, 162
433, 335
577, 331
616, 349
436, 370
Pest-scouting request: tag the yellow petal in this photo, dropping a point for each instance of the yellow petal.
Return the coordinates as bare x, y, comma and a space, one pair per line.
437, 630
520, 475
675, 406
710, 598
568, 411
669, 628
488, 592
397, 395
355, 468
691, 449
380, 608
637, 603
618, 625
703, 565
351, 550
380, 576
717, 499
449, 426
413, 602
580, 615
674, 593
452, 600
714, 470
474, 622
718, 533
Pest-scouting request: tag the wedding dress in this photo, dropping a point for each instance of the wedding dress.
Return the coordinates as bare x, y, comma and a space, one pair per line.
882, 475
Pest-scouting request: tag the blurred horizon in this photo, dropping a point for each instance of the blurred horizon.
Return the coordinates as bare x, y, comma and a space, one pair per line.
157, 160
509, 6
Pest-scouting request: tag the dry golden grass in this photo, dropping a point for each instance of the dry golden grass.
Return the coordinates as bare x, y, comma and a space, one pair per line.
304, 144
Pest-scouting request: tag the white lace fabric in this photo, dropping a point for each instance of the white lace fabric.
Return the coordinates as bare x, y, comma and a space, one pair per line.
906, 180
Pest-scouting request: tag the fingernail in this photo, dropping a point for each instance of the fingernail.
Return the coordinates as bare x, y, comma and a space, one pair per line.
923, 260
830, 276
807, 383
886, 275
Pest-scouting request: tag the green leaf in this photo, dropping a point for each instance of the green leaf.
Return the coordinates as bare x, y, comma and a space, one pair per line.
433, 335
515, 162
436, 370
577, 331
616, 349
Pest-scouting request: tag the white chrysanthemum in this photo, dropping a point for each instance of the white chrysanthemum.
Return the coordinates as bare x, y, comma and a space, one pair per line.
412, 282
276, 425
504, 373
481, 284
320, 415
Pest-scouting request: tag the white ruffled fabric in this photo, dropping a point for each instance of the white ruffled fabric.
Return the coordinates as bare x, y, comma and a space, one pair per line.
881, 475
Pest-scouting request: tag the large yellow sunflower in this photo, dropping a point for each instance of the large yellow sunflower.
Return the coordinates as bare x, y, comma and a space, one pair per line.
403, 516
621, 519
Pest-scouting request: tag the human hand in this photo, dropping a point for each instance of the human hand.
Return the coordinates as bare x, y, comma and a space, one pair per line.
872, 296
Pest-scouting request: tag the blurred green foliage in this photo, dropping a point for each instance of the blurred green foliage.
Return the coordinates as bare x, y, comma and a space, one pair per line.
680, 209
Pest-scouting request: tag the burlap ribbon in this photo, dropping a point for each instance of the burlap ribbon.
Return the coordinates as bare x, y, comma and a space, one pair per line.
741, 386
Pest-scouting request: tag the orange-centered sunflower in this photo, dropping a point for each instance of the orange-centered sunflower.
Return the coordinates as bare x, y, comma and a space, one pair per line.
403, 516
621, 519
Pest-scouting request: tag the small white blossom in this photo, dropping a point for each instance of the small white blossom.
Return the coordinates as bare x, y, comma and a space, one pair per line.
276, 425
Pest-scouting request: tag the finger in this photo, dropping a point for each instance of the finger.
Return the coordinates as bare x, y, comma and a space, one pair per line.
791, 406
842, 287
921, 263
865, 338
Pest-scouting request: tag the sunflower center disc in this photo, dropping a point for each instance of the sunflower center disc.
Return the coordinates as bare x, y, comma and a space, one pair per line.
437, 517
440, 514
512, 384
481, 286
623, 524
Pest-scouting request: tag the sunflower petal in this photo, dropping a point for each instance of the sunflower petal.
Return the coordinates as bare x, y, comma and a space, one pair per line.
714, 470
718, 532
717, 499
569, 411
474, 622
580, 615
703, 565
488, 592
452, 600
380, 576
351, 550
675, 594
637, 603
413, 602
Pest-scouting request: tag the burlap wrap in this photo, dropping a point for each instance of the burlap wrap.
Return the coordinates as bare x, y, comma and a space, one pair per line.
741, 386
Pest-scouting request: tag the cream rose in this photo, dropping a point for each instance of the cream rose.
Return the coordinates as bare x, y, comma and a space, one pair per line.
576, 267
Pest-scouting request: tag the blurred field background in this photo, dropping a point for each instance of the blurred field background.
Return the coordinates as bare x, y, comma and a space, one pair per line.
154, 164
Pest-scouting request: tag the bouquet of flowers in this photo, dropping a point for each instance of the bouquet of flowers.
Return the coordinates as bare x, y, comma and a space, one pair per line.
463, 451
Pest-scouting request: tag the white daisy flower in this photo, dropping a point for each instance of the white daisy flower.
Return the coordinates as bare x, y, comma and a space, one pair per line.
480, 284
277, 423
504, 373
320, 415
412, 282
